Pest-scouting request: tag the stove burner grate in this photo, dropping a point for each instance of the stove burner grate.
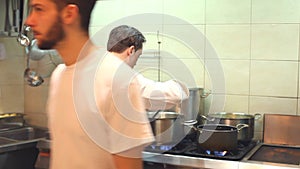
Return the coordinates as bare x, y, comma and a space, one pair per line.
189, 147
225, 155
170, 148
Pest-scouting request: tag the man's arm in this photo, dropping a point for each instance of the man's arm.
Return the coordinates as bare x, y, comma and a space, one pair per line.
123, 162
130, 159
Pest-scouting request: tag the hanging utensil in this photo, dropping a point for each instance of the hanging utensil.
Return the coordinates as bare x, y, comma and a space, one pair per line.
31, 77
23, 38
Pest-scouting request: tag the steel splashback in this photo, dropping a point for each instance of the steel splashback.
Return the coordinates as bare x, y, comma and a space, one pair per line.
281, 129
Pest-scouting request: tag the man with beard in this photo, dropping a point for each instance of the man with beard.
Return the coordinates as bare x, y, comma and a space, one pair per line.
95, 112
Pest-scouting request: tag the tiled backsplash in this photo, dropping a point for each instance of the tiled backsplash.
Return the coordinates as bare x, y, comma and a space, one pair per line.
11, 77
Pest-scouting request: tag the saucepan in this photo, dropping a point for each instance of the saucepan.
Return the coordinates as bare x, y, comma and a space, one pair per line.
233, 119
218, 137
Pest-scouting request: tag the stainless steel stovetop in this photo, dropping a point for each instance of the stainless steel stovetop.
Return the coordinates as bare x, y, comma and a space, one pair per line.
189, 147
280, 150
260, 156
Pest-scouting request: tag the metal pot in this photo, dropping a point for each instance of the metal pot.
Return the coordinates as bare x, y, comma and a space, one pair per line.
217, 137
167, 127
194, 105
233, 119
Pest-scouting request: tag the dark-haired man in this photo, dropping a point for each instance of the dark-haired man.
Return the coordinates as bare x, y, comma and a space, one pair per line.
95, 112
126, 43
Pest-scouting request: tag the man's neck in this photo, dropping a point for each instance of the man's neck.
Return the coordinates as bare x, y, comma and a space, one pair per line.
121, 56
74, 49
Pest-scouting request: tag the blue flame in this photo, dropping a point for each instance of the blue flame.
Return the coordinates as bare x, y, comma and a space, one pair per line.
217, 153
162, 147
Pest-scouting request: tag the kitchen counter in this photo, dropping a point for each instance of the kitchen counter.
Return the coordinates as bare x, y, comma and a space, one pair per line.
18, 147
23, 136
186, 161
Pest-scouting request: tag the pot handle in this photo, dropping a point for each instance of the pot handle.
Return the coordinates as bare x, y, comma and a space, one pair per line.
207, 118
155, 114
241, 126
257, 116
190, 123
206, 93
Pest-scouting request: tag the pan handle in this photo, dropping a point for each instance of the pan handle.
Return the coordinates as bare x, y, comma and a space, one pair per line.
207, 118
206, 93
190, 123
257, 116
241, 126
155, 114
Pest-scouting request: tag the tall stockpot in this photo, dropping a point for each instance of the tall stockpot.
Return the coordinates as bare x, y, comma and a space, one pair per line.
232, 119
192, 107
167, 127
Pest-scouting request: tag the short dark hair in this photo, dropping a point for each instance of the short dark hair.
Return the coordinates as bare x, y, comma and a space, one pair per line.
85, 9
124, 36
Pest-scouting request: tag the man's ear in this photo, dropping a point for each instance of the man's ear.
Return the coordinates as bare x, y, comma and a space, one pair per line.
70, 14
131, 50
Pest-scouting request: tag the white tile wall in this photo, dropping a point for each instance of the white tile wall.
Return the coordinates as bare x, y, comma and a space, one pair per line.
184, 40
192, 11
274, 105
236, 103
274, 78
279, 11
275, 41
178, 48
226, 103
228, 11
215, 77
236, 76
229, 41
189, 71
107, 11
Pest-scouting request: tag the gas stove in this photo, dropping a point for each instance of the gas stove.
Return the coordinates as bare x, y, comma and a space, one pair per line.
189, 147
274, 152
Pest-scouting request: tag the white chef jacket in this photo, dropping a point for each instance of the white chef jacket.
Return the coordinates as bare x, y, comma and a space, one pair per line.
162, 95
